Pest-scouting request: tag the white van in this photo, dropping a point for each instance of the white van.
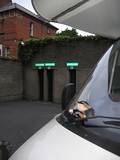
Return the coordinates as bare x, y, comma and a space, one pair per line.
89, 126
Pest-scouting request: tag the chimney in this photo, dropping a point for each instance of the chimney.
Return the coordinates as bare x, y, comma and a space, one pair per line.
4, 3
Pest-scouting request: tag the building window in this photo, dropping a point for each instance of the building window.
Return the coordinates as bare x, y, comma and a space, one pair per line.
7, 51
48, 30
4, 51
31, 29
1, 50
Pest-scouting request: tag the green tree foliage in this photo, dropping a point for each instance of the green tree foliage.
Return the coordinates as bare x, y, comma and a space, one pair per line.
68, 33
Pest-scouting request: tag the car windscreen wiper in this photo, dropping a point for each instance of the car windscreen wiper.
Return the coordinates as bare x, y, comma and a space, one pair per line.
104, 117
114, 123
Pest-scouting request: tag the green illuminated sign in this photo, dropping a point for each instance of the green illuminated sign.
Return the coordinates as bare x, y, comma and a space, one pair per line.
48, 65
72, 64
39, 64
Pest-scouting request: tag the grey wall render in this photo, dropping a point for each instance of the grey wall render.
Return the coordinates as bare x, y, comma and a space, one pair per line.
11, 80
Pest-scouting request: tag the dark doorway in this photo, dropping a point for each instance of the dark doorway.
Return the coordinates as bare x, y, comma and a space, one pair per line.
41, 82
72, 76
50, 84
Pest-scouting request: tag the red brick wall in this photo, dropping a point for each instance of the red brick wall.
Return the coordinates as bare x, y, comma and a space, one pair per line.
16, 26
8, 31
5, 2
23, 27
47, 31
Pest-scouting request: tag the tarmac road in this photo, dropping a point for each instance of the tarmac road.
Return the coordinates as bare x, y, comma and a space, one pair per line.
20, 120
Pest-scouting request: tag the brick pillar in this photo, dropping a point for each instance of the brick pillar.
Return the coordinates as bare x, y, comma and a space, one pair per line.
5, 2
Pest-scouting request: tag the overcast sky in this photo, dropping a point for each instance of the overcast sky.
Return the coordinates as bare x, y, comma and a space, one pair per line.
27, 4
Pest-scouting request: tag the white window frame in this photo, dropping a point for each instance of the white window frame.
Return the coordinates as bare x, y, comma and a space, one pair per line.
31, 28
1, 49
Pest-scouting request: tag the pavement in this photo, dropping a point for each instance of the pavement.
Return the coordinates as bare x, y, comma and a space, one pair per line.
20, 120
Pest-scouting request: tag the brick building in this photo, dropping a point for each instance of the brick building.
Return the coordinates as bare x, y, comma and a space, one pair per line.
19, 24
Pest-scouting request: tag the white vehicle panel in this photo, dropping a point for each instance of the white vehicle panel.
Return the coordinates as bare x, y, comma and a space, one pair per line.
54, 142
